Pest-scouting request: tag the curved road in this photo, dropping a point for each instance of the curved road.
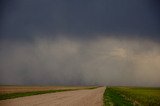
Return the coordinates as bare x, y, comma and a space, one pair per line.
90, 97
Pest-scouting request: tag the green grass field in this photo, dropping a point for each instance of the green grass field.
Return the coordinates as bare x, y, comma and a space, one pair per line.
131, 96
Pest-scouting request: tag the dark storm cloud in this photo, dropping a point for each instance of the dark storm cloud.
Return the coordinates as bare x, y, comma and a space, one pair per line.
80, 42
27, 18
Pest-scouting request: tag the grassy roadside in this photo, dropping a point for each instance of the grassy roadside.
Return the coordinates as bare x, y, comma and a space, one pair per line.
22, 94
131, 96
114, 98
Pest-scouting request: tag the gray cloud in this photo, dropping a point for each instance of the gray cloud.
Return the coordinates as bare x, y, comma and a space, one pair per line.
69, 61
22, 18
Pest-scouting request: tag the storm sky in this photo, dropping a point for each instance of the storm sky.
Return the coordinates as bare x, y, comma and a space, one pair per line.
80, 42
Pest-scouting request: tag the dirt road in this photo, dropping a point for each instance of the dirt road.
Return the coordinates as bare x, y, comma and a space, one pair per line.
91, 97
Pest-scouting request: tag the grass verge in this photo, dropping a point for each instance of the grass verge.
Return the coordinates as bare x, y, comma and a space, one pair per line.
114, 98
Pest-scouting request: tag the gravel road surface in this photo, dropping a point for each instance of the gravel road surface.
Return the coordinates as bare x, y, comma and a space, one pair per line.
90, 97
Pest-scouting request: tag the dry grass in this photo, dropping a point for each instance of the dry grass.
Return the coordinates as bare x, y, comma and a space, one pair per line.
17, 89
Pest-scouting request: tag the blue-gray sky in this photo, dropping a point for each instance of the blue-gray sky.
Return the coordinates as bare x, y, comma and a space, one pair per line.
80, 42
79, 18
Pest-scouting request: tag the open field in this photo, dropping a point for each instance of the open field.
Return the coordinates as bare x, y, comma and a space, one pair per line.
132, 96
8, 92
85, 97
16, 89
